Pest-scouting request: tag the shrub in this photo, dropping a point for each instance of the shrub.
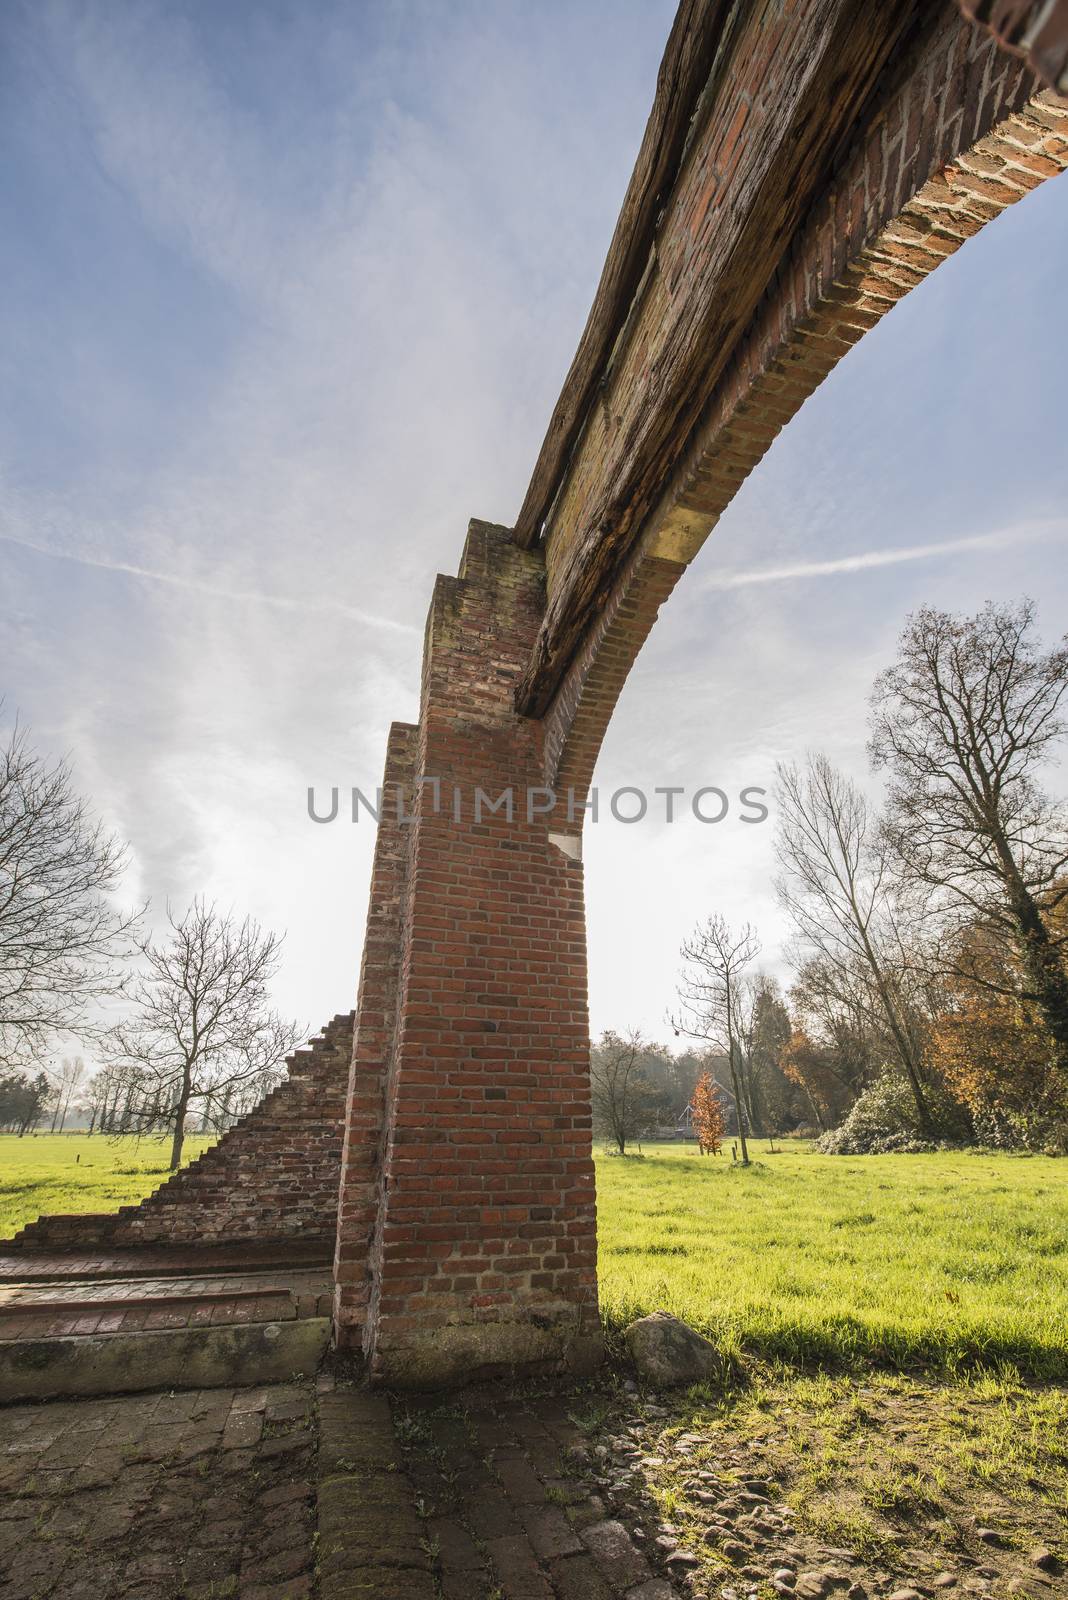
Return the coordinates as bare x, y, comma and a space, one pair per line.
1000, 1129
883, 1119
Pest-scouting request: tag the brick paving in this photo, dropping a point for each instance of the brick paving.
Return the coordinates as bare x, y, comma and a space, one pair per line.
122, 1305
54, 1266
473, 1497
306, 1489
198, 1495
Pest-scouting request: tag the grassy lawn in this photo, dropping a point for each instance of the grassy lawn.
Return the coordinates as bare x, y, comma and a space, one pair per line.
934, 1261
50, 1172
941, 1261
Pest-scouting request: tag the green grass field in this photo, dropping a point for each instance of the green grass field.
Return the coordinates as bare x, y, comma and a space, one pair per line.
937, 1261
50, 1172
930, 1261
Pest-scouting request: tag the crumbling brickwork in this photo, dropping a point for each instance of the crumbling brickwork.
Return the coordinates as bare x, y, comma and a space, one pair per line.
272, 1178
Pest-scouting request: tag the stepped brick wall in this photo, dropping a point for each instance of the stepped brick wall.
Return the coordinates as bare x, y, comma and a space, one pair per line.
272, 1178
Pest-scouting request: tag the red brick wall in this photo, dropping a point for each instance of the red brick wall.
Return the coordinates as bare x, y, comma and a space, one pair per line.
963, 132
376, 1016
483, 1249
272, 1178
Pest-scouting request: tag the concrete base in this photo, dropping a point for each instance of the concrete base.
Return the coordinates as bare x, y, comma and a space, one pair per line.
444, 1357
179, 1358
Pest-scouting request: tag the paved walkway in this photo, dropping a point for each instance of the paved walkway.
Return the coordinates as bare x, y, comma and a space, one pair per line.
148, 1497
215, 1493
463, 1500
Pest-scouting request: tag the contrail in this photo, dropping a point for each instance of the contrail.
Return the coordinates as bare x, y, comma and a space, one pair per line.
256, 597
999, 540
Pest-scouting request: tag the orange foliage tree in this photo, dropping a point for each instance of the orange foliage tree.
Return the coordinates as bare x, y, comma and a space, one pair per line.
708, 1116
991, 1048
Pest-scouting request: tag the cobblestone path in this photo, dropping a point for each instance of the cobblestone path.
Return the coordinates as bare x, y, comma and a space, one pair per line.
201, 1495
305, 1489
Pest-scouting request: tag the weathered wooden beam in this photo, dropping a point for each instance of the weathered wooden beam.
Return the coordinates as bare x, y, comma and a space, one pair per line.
676, 344
1034, 30
684, 71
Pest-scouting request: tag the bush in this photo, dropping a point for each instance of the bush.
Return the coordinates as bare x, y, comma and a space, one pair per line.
884, 1120
1000, 1129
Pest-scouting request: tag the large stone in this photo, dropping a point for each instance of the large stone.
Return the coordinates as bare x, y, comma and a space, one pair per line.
666, 1351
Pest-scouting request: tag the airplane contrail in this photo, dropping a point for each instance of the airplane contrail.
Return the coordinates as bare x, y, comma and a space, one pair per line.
1001, 539
255, 596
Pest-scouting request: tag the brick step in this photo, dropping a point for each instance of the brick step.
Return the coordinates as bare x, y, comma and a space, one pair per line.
24, 1302
163, 1261
100, 1336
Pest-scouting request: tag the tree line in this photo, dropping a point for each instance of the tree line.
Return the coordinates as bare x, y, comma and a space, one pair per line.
181, 1021
929, 995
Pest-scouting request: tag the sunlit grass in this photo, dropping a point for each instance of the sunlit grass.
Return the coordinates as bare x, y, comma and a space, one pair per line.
944, 1260
55, 1172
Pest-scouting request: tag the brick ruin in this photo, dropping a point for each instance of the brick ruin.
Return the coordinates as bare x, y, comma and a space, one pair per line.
804, 167
272, 1179
467, 1231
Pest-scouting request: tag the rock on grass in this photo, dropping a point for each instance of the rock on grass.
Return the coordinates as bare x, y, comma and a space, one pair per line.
667, 1352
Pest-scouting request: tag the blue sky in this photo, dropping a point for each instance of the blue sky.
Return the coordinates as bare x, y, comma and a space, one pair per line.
289, 292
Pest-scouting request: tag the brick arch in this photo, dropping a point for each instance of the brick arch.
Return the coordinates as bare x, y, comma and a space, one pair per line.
806, 163
967, 133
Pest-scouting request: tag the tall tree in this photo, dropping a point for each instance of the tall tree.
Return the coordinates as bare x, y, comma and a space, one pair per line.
23, 1100
622, 1095
993, 1051
964, 720
66, 1082
710, 997
202, 1021
63, 938
836, 885
769, 1035
832, 1008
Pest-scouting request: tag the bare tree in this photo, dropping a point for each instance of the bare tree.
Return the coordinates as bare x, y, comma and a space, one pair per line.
62, 939
710, 997
202, 1022
65, 1083
836, 885
849, 1044
621, 1093
963, 721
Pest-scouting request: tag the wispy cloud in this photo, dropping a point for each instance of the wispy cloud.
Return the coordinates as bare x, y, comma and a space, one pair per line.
290, 300
999, 539
214, 590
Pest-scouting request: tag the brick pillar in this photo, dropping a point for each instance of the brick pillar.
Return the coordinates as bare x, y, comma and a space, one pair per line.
482, 1253
373, 1041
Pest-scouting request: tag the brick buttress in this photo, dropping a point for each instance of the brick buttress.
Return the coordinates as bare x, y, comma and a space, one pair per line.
467, 1223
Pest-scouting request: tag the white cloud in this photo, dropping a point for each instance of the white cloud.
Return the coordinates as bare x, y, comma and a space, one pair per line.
344, 255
